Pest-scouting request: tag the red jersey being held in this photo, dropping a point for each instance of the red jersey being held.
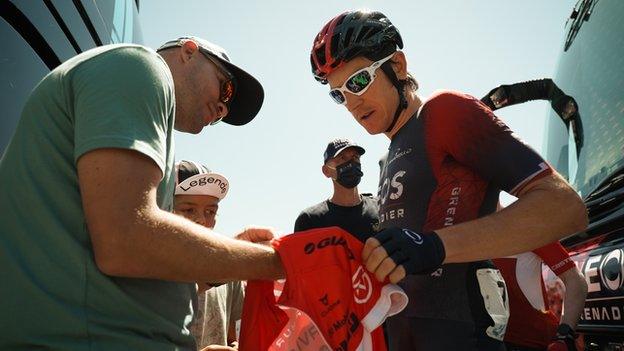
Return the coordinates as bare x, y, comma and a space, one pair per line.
329, 301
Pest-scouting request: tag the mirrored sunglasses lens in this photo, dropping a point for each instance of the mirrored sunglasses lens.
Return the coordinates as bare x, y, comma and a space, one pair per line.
359, 82
337, 95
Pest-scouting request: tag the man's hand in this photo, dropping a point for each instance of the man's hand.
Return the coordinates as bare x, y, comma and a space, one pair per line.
257, 234
393, 253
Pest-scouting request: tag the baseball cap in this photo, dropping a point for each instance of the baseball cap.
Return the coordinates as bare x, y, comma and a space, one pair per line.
249, 93
196, 179
338, 145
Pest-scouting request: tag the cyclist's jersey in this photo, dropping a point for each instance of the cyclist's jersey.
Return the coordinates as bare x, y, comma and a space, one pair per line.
531, 323
329, 301
447, 165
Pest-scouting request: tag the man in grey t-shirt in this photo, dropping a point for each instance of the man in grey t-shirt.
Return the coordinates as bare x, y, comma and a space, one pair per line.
91, 257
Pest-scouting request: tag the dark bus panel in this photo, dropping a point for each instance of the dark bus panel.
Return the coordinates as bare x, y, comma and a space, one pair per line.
38, 35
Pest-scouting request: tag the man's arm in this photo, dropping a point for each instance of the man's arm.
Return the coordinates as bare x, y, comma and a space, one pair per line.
231, 337
547, 210
575, 293
573, 303
462, 128
132, 237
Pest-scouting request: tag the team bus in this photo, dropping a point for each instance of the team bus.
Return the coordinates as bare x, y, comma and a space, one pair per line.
37, 36
584, 141
591, 69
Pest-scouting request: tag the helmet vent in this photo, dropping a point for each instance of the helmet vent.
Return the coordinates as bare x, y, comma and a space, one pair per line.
335, 43
364, 34
347, 38
320, 55
340, 20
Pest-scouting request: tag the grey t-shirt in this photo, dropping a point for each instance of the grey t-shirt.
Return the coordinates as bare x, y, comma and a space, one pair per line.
219, 309
53, 295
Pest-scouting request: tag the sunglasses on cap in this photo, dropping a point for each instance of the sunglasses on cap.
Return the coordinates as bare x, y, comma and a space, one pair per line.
358, 82
228, 86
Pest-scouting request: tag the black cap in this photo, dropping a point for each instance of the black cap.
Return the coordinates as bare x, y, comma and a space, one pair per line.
336, 146
249, 93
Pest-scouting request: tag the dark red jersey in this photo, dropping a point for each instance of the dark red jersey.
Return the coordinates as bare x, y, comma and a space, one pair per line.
445, 166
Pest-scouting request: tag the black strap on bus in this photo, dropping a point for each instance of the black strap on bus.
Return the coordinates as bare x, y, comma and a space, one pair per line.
543, 89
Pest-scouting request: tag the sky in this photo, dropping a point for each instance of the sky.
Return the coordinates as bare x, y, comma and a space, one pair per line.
274, 162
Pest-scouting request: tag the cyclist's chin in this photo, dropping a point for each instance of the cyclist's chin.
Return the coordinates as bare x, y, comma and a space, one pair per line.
372, 124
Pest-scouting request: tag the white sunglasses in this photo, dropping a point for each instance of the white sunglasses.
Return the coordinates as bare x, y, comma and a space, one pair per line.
358, 82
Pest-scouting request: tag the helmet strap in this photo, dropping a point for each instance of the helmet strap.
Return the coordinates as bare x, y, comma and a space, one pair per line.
399, 84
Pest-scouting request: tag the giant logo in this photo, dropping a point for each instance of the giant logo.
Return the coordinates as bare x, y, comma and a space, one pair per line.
323, 243
612, 269
327, 242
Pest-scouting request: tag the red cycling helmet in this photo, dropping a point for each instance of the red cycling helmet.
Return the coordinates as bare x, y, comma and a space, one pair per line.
351, 34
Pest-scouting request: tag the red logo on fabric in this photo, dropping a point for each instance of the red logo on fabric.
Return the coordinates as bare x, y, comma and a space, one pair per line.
362, 286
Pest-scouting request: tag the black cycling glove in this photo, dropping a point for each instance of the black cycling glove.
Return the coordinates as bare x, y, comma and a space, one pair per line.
417, 253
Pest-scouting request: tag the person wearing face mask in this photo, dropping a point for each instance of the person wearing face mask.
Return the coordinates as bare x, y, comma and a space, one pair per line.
347, 208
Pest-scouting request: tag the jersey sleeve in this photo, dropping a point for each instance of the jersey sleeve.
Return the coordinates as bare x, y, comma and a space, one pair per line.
462, 127
556, 257
123, 98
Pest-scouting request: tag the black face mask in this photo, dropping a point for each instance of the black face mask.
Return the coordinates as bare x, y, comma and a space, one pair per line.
349, 174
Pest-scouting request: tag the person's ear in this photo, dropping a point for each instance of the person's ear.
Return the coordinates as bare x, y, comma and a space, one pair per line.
326, 171
399, 65
188, 49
